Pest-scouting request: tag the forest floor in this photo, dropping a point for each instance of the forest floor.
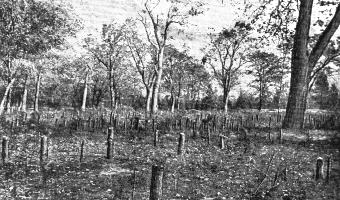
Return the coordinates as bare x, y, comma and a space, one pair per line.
256, 168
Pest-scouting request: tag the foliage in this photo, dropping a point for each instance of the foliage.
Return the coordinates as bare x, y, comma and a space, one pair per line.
245, 101
323, 95
32, 27
269, 71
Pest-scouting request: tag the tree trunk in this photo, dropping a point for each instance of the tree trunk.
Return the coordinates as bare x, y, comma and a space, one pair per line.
226, 89
9, 101
112, 89
173, 101
4, 98
24, 96
157, 81
295, 110
225, 102
303, 65
83, 106
36, 96
261, 94
179, 95
148, 99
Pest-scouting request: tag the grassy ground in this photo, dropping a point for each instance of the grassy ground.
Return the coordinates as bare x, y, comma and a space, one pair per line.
246, 169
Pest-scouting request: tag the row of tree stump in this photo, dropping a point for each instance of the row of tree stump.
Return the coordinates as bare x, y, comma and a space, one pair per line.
157, 171
131, 121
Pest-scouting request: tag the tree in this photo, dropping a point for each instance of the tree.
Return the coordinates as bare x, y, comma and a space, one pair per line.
198, 80
141, 54
321, 90
244, 100
225, 56
157, 28
303, 62
331, 55
211, 100
30, 28
334, 98
175, 73
83, 67
110, 52
266, 68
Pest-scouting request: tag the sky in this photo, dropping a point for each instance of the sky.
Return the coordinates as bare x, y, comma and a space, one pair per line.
216, 15
94, 13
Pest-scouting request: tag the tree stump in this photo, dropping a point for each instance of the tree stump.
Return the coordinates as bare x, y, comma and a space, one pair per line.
155, 138
181, 142
156, 182
4, 152
209, 136
319, 169
221, 144
82, 144
329, 167
109, 150
43, 148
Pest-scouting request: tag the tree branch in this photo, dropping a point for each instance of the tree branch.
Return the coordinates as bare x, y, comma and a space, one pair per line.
324, 39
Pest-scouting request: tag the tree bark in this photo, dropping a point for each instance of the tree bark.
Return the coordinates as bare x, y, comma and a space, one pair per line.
298, 84
112, 89
226, 89
36, 96
173, 101
303, 65
179, 95
24, 95
261, 93
83, 106
148, 99
3, 101
9, 101
157, 83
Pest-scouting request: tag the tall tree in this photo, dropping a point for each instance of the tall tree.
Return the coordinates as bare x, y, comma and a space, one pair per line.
157, 28
321, 90
226, 56
141, 54
110, 52
30, 28
303, 62
266, 68
176, 63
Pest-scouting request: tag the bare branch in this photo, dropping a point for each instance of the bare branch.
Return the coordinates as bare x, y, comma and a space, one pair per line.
143, 21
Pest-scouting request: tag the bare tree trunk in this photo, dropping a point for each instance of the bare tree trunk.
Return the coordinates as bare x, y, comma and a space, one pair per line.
179, 95
148, 99
112, 89
173, 101
303, 65
83, 106
157, 82
36, 96
4, 98
261, 94
298, 84
226, 89
24, 95
9, 101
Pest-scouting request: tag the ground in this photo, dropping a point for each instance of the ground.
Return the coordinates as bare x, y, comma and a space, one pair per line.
248, 168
